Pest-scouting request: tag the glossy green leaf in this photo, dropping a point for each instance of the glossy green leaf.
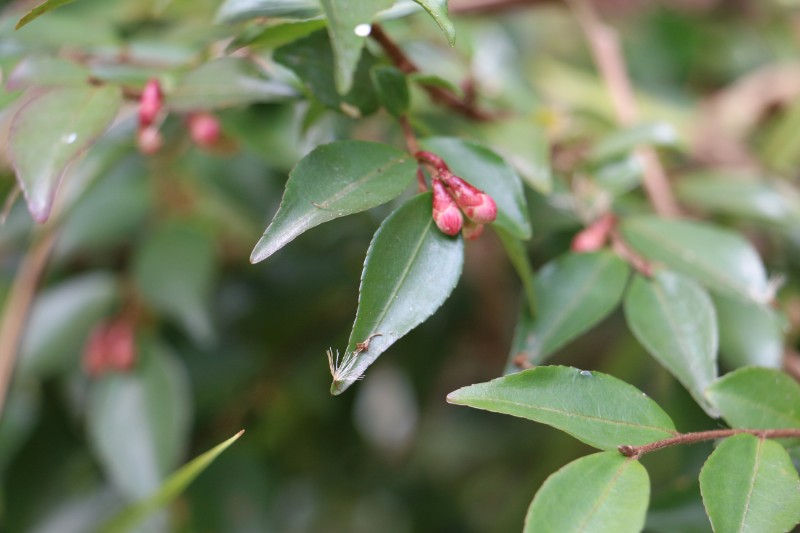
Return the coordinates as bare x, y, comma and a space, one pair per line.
39, 10
595, 408
225, 82
438, 10
750, 334
169, 490
348, 26
757, 398
410, 270
624, 141
332, 181
174, 271
138, 422
573, 293
238, 10
750, 484
674, 319
601, 493
719, 259
489, 172
46, 71
392, 89
50, 131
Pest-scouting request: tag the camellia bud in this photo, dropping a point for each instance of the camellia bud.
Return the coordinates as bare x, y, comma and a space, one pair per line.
446, 214
476, 204
472, 230
204, 129
111, 347
150, 103
149, 140
595, 236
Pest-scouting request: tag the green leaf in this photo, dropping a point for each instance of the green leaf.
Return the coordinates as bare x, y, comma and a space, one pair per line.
600, 493
595, 408
438, 10
53, 129
719, 259
276, 35
138, 422
348, 26
573, 293
525, 145
750, 484
750, 334
169, 490
624, 141
518, 255
674, 319
46, 71
41, 9
332, 181
174, 270
232, 11
225, 82
489, 172
410, 270
392, 89
757, 398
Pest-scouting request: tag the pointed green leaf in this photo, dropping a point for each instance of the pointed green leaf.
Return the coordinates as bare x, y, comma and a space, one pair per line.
600, 493
392, 89
673, 318
595, 408
138, 422
573, 293
410, 270
719, 259
332, 181
489, 172
757, 398
624, 141
41, 9
349, 25
750, 484
438, 10
169, 490
239, 10
750, 334
50, 131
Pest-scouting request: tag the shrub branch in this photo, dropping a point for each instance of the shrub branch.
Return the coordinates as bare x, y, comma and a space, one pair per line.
700, 436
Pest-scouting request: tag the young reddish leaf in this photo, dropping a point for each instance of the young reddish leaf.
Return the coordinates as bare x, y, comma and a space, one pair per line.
410, 270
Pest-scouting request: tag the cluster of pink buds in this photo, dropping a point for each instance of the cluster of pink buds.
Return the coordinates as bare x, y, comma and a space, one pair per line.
594, 236
457, 205
111, 347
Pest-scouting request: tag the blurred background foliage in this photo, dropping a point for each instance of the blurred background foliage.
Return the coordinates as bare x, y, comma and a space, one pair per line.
162, 242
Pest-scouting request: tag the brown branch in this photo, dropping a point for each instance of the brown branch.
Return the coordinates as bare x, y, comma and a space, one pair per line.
437, 94
606, 50
700, 436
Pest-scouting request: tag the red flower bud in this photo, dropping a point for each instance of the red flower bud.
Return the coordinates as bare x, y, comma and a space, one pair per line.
150, 103
204, 129
476, 204
111, 347
472, 230
595, 236
149, 140
446, 214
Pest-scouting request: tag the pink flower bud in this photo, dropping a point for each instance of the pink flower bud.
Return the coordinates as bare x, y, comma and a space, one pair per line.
446, 214
149, 140
204, 129
595, 236
111, 347
476, 204
431, 159
472, 230
150, 103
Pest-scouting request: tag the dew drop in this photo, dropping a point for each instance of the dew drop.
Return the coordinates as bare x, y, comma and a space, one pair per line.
362, 30
69, 138
586, 373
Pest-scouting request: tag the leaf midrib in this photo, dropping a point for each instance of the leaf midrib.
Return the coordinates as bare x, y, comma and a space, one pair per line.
603, 496
752, 484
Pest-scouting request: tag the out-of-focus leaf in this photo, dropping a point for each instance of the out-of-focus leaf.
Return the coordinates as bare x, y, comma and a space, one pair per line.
749, 334
174, 270
311, 58
750, 484
61, 319
524, 144
624, 141
438, 10
44, 71
719, 259
19, 418
169, 490
621, 175
489, 172
518, 255
50, 131
348, 26
277, 34
573, 293
595, 408
225, 82
602, 493
757, 398
673, 318
392, 89
41, 9
238, 10
332, 181
410, 270
138, 422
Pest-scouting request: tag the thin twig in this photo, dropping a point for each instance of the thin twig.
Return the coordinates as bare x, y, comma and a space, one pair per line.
700, 436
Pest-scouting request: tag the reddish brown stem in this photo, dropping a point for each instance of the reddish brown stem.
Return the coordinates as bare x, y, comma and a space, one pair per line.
624, 251
433, 160
700, 436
